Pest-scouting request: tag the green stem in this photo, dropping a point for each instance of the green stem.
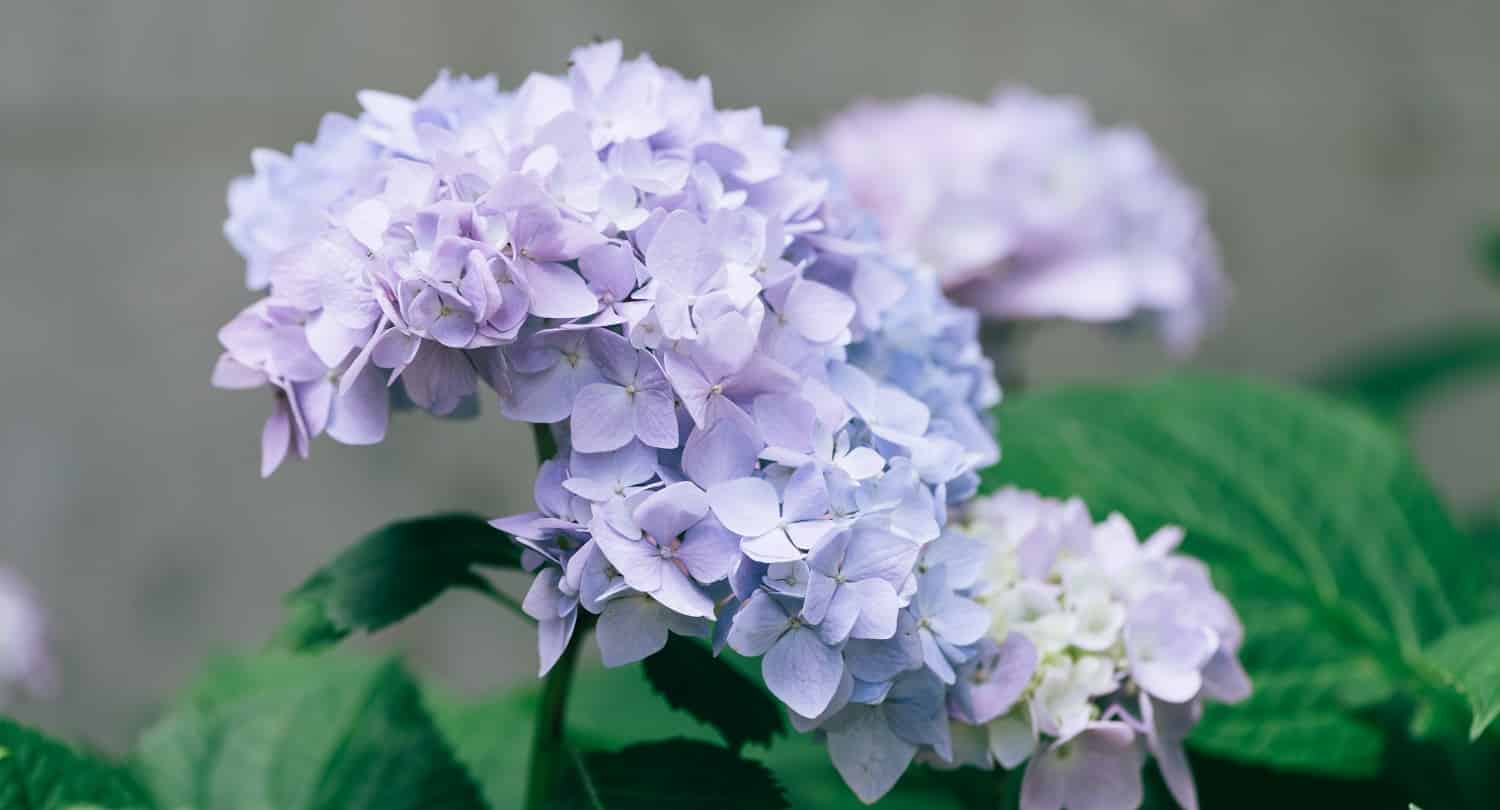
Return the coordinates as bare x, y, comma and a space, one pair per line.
549, 753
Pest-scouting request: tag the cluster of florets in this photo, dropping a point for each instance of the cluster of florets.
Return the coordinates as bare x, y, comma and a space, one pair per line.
25, 663
1102, 648
1029, 210
762, 417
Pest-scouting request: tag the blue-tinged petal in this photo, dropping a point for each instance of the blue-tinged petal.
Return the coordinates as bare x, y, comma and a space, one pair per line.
758, 624
631, 628
602, 418
868, 755
746, 506
803, 671
669, 512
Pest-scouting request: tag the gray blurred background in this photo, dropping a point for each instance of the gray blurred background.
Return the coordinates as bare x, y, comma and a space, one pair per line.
1349, 153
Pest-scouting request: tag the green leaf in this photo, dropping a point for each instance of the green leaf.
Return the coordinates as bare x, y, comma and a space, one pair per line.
611, 708
390, 574
546, 444
1484, 528
1469, 658
1227, 785
302, 733
672, 775
37, 773
1316, 523
1392, 380
1489, 251
691, 679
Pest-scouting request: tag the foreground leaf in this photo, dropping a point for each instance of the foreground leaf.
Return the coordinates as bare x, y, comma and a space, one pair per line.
1316, 522
390, 574
37, 773
690, 678
611, 708
298, 733
1392, 380
1470, 658
673, 775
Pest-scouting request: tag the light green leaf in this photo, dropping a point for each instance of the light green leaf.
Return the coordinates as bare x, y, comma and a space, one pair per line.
302, 733
390, 574
37, 773
1317, 525
1469, 658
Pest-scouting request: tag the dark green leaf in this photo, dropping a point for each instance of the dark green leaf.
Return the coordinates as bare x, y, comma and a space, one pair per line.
1391, 380
300, 733
1489, 251
390, 574
1317, 525
546, 444
673, 774
1484, 528
1469, 657
37, 773
610, 708
691, 679
1227, 785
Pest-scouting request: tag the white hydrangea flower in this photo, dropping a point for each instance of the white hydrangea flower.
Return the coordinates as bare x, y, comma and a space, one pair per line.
1096, 638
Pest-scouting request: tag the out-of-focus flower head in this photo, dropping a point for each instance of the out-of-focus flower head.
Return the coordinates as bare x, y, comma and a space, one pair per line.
763, 416
1029, 210
24, 660
1102, 649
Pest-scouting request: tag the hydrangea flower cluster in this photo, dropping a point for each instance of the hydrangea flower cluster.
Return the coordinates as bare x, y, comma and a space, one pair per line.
1102, 648
24, 660
1030, 210
762, 416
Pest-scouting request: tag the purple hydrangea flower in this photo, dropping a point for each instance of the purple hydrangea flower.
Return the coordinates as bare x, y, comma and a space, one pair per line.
1030, 210
763, 414
25, 663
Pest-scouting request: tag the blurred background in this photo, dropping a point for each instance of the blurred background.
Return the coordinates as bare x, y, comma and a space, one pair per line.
1348, 150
